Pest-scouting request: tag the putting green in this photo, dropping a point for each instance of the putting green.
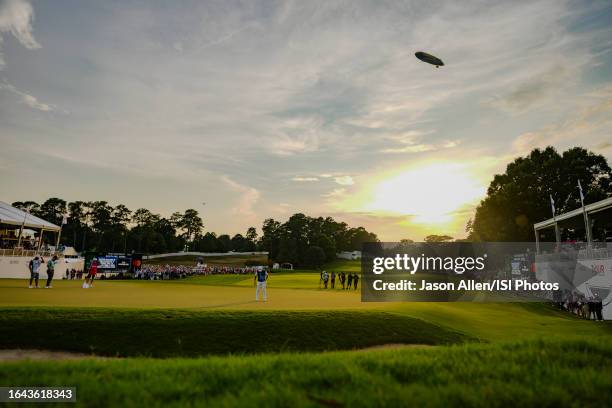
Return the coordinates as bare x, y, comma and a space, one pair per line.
299, 291
230, 291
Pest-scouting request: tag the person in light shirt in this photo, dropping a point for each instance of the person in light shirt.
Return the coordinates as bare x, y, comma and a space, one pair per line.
34, 267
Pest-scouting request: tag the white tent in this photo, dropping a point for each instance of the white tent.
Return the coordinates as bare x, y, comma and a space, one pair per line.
14, 216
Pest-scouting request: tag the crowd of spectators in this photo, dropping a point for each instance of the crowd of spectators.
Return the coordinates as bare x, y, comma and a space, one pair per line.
72, 274
165, 272
26, 243
224, 270
589, 308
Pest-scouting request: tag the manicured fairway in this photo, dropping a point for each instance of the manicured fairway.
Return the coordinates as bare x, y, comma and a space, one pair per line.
543, 373
455, 354
225, 291
299, 292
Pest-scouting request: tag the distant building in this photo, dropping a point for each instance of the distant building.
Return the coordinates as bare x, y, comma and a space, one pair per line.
351, 255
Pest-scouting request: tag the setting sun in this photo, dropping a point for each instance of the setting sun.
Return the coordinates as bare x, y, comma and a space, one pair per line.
430, 194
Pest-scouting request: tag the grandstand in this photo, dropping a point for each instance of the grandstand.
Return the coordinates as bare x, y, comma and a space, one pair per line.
571, 226
23, 236
581, 258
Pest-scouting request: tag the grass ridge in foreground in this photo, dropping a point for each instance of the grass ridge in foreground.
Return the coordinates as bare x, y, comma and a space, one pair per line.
546, 372
173, 333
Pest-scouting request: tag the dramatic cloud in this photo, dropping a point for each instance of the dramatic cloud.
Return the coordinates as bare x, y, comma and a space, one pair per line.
16, 18
344, 180
302, 179
263, 103
27, 99
591, 119
249, 196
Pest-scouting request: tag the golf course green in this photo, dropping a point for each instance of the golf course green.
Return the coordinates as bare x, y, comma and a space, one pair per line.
205, 339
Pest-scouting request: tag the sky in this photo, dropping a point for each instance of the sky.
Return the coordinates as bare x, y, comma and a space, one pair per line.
263, 109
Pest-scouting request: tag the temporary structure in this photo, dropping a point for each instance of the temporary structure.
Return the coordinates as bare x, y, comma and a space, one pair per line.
14, 216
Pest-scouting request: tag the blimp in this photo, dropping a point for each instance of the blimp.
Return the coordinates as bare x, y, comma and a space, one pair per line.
428, 58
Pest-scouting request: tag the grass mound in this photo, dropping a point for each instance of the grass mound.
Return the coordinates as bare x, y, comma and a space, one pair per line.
193, 333
552, 372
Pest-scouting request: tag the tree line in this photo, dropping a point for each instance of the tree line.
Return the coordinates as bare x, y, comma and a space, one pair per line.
515, 200
520, 196
101, 227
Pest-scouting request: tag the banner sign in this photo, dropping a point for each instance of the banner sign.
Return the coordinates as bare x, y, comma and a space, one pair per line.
490, 272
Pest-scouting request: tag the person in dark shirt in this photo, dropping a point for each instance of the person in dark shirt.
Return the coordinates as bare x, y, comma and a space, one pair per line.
355, 281
349, 281
598, 307
50, 271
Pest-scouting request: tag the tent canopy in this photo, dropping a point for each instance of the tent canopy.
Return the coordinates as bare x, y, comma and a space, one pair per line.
14, 216
70, 251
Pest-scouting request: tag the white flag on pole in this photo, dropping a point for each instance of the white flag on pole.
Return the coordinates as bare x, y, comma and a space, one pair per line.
552, 205
580, 189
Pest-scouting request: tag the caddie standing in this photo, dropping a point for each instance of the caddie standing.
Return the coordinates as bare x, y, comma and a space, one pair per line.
261, 278
50, 271
34, 267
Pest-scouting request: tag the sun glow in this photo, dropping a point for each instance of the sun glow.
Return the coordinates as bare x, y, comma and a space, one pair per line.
430, 194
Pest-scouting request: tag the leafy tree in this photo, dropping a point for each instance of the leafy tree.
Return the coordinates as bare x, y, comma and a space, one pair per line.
519, 197
314, 257
224, 243
53, 210
28, 206
143, 217
287, 251
270, 240
207, 243
327, 244
251, 238
358, 236
191, 224
438, 238
239, 243
101, 227
251, 234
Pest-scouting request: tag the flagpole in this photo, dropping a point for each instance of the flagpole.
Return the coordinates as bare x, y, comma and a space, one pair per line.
557, 231
586, 217
25, 214
59, 234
